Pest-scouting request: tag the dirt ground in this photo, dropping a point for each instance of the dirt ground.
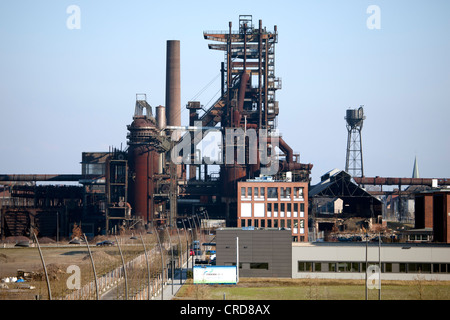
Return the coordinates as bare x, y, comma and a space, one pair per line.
28, 259
13, 258
57, 257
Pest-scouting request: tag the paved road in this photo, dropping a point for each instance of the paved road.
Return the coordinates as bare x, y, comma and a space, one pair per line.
118, 292
170, 289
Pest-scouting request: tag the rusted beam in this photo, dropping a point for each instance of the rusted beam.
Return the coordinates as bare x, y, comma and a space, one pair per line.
400, 181
45, 177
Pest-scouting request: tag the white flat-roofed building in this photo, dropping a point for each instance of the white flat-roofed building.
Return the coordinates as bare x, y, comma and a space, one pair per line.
399, 261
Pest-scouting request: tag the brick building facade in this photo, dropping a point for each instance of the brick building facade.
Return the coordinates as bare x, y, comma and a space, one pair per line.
274, 204
433, 212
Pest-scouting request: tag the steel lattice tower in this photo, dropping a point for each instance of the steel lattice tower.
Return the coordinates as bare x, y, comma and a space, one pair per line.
354, 160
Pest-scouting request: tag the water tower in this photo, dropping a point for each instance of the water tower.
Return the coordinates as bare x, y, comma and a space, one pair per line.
354, 160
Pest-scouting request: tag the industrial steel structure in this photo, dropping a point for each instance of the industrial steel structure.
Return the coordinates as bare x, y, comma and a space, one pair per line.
162, 177
248, 102
149, 183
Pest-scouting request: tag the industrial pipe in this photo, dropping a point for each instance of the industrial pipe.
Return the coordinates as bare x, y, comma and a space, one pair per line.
289, 164
286, 149
400, 181
243, 85
45, 177
160, 117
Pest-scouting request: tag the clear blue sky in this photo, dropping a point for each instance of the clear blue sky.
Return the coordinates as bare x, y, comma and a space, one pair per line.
65, 91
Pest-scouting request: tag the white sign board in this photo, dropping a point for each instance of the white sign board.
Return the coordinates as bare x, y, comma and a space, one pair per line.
215, 275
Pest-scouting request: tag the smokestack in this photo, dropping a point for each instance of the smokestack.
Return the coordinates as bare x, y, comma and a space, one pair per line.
160, 117
173, 96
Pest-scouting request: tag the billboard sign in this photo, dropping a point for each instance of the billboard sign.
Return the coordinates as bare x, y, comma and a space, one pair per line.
215, 275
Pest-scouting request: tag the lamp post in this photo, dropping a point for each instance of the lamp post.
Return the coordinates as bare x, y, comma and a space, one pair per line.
367, 292
379, 263
192, 240
171, 263
197, 236
148, 267
180, 255
57, 227
194, 227
187, 245
190, 226
208, 222
45, 268
237, 259
199, 223
199, 228
124, 269
93, 265
162, 264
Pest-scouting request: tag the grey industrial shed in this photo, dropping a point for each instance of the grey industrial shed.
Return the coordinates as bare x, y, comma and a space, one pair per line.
262, 252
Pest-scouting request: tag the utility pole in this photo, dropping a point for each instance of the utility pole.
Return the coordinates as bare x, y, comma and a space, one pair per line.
237, 259
379, 263
367, 292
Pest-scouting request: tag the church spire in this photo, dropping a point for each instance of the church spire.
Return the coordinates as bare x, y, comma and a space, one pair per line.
415, 169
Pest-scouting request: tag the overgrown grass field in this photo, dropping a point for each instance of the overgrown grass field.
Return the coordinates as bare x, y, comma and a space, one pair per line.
316, 289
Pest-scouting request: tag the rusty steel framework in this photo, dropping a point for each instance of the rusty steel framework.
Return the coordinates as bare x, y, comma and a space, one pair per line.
146, 147
142, 184
414, 186
248, 99
248, 77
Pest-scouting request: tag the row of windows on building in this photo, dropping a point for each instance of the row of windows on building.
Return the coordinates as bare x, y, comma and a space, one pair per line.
287, 193
250, 265
296, 225
274, 223
273, 209
386, 267
420, 237
285, 208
